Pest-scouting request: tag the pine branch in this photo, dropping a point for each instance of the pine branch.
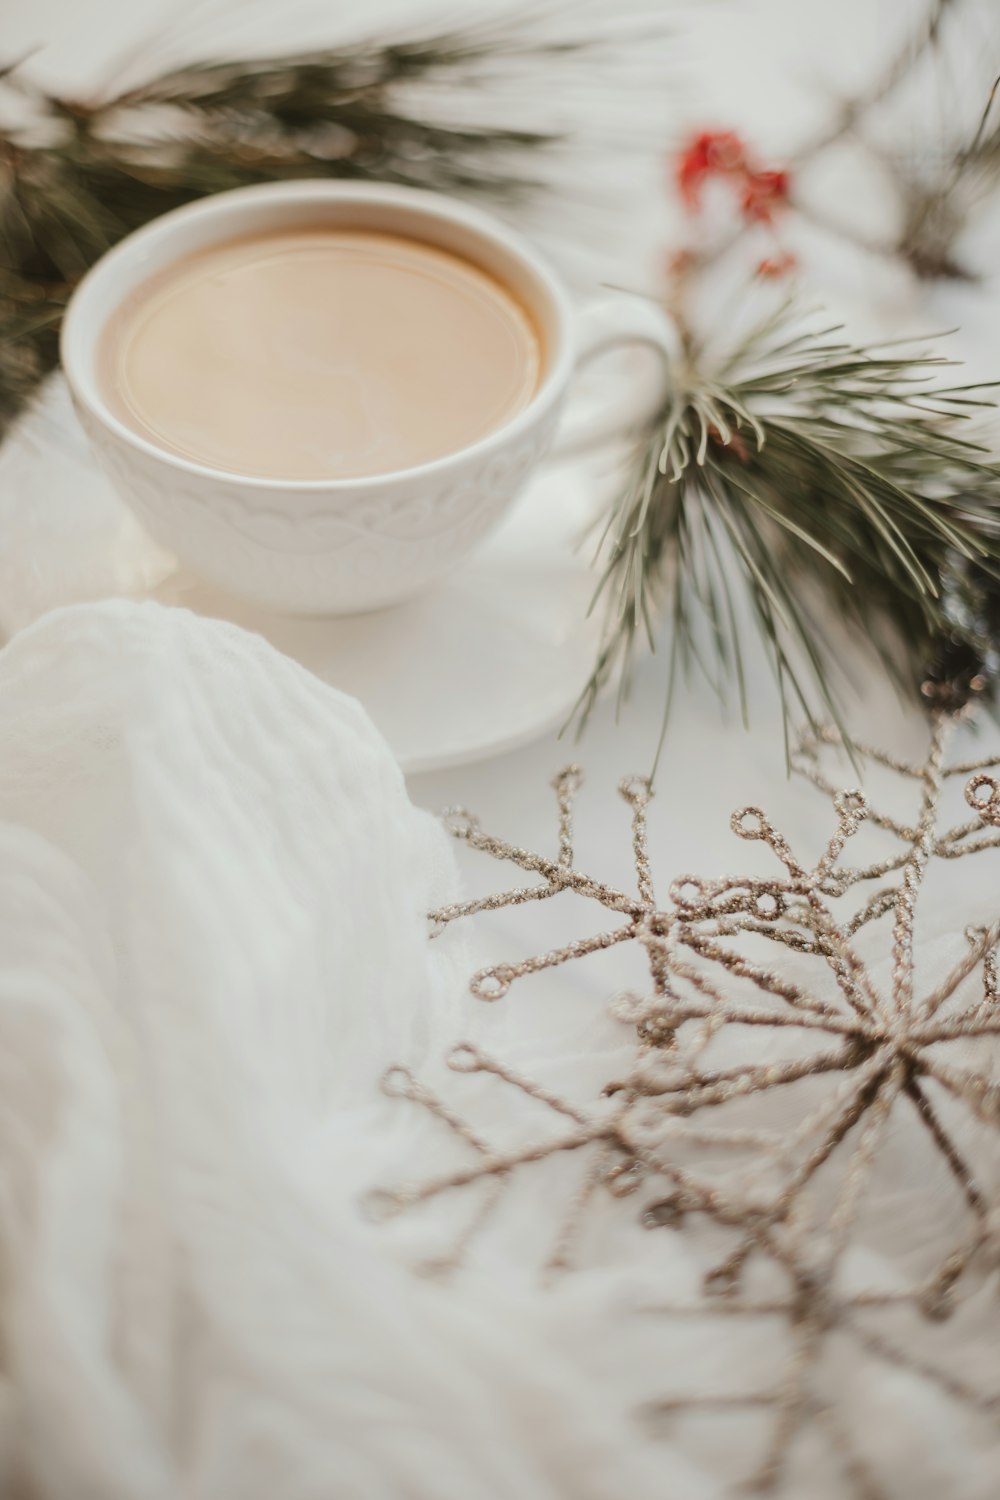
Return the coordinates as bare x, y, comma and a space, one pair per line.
940, 201
805, 467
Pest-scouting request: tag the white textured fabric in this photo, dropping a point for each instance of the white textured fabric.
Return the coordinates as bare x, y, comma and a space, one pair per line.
212, 941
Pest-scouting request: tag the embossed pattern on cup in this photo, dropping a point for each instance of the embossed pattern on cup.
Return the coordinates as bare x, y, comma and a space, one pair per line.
341, 552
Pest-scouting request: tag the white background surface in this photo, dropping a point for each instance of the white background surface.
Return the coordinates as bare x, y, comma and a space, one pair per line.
768, 69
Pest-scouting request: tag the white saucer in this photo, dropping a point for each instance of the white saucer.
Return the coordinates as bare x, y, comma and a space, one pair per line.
489, 660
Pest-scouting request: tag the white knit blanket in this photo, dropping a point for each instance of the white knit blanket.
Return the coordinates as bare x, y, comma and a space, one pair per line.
212, 942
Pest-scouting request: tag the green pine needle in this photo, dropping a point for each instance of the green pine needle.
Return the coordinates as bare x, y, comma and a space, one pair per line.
802, 466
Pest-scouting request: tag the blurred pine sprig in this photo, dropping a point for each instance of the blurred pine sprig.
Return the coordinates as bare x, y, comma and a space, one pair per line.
942, 197
802, 466
81, 175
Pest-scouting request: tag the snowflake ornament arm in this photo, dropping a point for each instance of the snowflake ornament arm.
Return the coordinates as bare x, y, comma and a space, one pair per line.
878, 1053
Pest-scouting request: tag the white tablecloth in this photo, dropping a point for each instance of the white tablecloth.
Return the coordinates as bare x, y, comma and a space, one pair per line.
768, 68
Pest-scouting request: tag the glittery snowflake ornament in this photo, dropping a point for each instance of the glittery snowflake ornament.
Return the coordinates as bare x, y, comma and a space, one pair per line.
797, 1087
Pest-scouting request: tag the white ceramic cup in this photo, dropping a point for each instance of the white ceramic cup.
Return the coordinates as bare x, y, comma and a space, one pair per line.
339, 546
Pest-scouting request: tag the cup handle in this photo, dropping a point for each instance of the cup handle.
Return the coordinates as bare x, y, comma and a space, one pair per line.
608, 323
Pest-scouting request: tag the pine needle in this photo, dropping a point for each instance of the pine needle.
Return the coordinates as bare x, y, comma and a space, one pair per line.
806, 469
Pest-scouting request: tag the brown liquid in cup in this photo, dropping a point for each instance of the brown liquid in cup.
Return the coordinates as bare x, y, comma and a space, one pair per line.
319, 354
